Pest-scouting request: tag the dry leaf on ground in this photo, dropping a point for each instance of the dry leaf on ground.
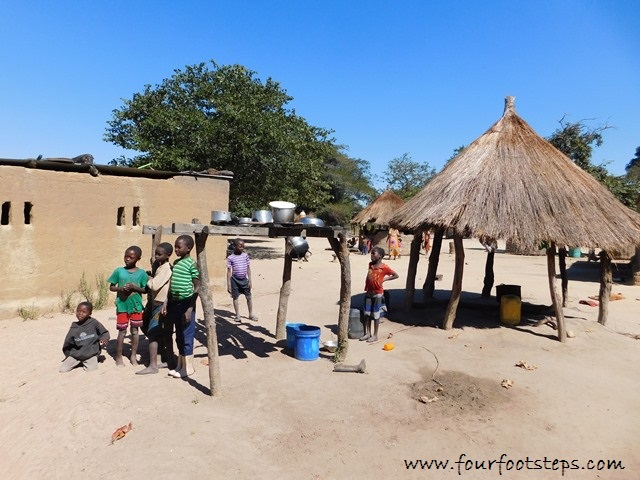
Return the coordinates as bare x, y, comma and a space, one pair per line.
120, 432
526, 365
506, 383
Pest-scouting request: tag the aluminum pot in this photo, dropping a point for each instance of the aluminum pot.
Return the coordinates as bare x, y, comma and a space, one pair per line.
282, 212
312, 221
262, 216
244, 221
220, 216
299, 246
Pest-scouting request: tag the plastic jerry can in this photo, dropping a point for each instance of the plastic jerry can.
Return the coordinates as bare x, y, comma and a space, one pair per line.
510, 309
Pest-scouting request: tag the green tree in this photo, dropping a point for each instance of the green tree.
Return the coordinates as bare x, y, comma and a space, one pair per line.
223, 117
577, 141
350, 187
406, 177
633, 167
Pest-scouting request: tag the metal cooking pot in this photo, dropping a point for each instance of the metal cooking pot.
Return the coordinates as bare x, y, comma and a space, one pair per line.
282, 212
244, 221
220, 216
299, 246
312, 221
262, 216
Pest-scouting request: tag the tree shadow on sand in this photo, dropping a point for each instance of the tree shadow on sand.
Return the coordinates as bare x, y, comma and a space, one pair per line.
260, 249
585, 271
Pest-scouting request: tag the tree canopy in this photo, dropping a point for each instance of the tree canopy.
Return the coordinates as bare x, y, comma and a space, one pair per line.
577, 140
406, 177
208, 116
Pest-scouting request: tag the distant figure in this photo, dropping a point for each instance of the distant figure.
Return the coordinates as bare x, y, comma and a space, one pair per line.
239, 278
426, 241
128, 282
181, 306
374, 297
363, 244
393, 242
83, 342
155, 325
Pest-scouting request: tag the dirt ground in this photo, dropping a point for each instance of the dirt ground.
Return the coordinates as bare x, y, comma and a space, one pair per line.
436, 396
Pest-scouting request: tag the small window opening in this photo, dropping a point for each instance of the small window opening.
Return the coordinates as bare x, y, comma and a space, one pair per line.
120, 220
27, 212
136, 216
6, 213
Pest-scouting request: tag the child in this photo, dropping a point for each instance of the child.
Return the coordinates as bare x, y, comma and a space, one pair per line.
128, 282
83, 342
158, 330
373, 300
181, 306
239, 278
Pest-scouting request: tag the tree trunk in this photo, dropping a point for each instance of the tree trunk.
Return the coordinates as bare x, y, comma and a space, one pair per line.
562, 262
414, 258
456, 289
606, 278
551, 271
204, 292
285, 290
488, 274
341, 250
430, 282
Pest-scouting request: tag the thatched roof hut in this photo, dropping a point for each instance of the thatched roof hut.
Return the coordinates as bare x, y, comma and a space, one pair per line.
380, 210
512, 184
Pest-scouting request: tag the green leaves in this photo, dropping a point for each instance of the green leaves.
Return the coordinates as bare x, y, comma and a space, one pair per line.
223, 117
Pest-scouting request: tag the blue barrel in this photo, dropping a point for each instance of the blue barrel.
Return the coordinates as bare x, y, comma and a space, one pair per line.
291, 337
307, 345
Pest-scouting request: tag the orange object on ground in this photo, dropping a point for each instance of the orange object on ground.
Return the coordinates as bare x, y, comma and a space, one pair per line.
121, 432
388, 346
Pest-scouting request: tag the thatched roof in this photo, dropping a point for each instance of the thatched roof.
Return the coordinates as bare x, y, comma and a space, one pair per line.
380, 211
512, 184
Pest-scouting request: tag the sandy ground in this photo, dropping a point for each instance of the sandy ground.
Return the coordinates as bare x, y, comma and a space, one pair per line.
280, 417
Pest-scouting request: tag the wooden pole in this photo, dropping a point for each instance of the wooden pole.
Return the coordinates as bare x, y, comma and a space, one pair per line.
156, 239
206, 299
488, 273
606, 279
555, 299
285, 291
414, 258
430, 282
341, 250
456, 289
562, 262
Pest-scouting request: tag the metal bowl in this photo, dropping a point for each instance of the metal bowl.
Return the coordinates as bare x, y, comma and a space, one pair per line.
331, 345
244, 221
312, 221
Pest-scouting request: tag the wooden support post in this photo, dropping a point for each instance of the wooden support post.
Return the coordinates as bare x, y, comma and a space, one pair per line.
562, 263
488, 272
430, 282
414, 258
206, 299
555, 299
341, 250
606, 278
285, 290
156, 239
456, 289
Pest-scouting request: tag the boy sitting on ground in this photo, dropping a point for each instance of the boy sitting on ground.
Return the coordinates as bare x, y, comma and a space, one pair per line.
84, 341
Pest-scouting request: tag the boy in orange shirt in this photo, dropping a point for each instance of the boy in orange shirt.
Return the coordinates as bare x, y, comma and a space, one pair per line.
374, 297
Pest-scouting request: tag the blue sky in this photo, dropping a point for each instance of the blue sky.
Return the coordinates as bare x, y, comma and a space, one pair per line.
418, 77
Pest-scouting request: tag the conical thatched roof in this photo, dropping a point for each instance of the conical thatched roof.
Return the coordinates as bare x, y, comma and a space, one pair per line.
380, 211
512, 184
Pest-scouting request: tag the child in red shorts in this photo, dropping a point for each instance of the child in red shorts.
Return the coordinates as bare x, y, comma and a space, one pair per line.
128, 282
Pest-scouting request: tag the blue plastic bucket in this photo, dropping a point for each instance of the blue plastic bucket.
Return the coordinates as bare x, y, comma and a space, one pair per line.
307, 344
575, 252
291, 337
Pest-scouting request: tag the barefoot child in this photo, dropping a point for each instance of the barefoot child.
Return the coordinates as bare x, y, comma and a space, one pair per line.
239, 278
156, 326
373, 300
83, 342
128, 282
181, 307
